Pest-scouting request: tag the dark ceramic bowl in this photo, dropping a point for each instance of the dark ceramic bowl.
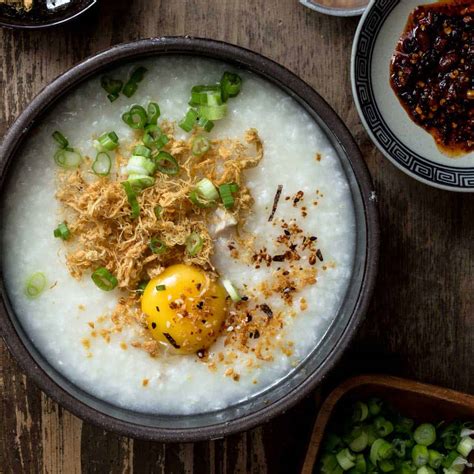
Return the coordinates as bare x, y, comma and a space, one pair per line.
313, 369
43, 14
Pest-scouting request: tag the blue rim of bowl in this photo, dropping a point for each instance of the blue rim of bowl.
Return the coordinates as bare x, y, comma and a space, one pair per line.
55, 21
333, 11
441, 176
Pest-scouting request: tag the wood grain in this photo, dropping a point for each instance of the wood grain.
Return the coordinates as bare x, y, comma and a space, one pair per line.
421, 320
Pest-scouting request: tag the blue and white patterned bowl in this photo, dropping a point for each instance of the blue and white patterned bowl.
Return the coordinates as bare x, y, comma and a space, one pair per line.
403, 142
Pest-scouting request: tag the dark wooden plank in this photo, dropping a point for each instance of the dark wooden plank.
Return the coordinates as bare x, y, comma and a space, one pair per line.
419, 323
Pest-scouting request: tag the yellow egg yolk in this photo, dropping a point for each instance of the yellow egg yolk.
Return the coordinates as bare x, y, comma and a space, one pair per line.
185, 309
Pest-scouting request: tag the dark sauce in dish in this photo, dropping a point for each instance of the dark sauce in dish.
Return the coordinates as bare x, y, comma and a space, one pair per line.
432, 73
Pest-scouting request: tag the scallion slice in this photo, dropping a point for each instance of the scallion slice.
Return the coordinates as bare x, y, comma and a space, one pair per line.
108, 141
132, 84
225, 191
231, 84
194, 243
102, 164
206, 95
111, 86
60, 139
141, 150
200, 145
142, 285
419, 455
345, 459
213, 112
104, 279
153, 136
35, 285
157, 246
231, 290
67, 158
140, 181
166, 163
425, 434
207, 190
62, 231
465, 446
189, 120
136, 117
132, 199
136, 165
160, 287
158, 210
206, 125
153, 113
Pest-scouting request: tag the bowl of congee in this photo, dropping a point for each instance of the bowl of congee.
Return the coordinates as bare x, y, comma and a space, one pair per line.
189, 239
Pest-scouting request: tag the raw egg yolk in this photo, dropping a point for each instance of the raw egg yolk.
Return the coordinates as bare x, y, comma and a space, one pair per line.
185, 309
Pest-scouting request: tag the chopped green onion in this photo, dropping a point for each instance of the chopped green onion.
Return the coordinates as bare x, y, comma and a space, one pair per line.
333, 443
157, 246
153, 136
142, 285
205, 124
141, 150
380, 450
404, 425
225, 191
425, 434
360, 440
112, 87
345, 459
425, 470
200, 145
231, 291
383, 426
153, 113
465, 446
129, 89
67, 158
450, 436
61, 140
140, 181
138, 74
360, 411
132, 84
194, 244
399, 447
166, 163
132, 199
329, 465
435, 458
35, 285
102, 164
386, 466
375, 406
140, 165
207, 190
161, 141
360, 464
197, 200
230, 84
104, 279
62, 231
420, 455
136, 117
189, 120
206, 95
108, 141
158, 210
213, 112
160, 287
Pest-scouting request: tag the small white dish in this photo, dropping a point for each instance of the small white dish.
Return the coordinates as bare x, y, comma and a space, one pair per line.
334, 10
404, 143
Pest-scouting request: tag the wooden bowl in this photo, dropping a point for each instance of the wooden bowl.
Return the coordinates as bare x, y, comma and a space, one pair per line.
414, 399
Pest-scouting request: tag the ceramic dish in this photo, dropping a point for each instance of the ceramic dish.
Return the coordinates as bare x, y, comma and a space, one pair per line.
404, 143
417, 400
353, 8
44, 13
300, 381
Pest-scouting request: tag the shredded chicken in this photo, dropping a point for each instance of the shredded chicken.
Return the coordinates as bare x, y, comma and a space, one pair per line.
105, 235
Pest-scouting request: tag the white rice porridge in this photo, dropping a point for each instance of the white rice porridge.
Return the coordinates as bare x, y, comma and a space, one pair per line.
57, 321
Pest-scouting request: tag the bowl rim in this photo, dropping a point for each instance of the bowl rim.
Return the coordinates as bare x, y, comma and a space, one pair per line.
344, 12
265, 68
47, 24
448, 178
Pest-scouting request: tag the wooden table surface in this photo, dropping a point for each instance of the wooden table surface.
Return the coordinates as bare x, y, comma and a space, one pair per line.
421, 321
